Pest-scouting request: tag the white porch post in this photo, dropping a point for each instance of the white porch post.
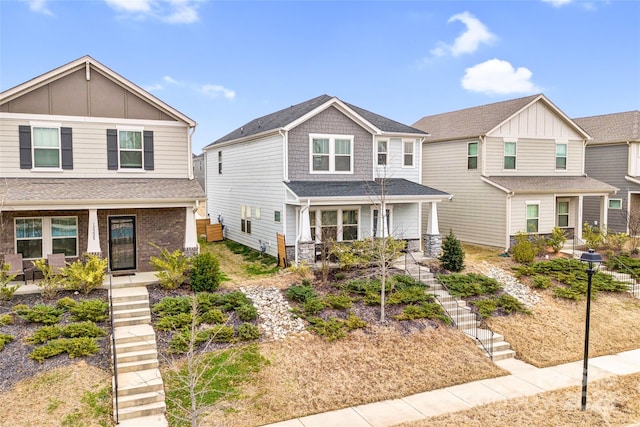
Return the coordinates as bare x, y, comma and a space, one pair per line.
578, 230
604, 212
432, 226
432, 237
93, 234
191, 246
305, 244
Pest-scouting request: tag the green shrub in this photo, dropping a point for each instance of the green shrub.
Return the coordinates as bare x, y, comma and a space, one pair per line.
452, 257
174, 322
172, 305
557, 239
207, 301
232, 300
247, 312
7, 291
171, 267
524, 251
86, 276
338, 302
428, 310
94, 310
212, 316
340, 275
74, 347
372, 298
248, 332
404, 281
65, 303
205, 273
6, 319
51, 281
300, 293
363, 286
82, 329
408, 295
467, 285
592, 235
616, 241
510, 304
354, 322
486, 307
44, 334
313, 306
20, 308
40, 313
4, 340
541, 282
217, 333
540, 243
331, 329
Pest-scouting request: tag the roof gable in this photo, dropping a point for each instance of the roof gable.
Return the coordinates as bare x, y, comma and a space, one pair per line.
85, 87
610, 128
294, 115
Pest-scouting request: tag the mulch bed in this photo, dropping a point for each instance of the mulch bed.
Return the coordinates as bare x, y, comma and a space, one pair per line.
15, 364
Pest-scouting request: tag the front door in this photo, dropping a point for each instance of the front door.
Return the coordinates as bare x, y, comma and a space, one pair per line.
122, 243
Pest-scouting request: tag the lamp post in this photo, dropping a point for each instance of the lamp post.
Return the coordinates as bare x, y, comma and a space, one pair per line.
590, 258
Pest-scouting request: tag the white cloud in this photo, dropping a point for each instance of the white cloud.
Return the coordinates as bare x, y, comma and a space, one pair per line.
169, 79
469, 41
557, 3
170, 11
39, 6
217, 90
154, 88
496, 76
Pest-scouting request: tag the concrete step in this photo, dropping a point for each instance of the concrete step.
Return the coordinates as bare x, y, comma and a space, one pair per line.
129, 294
503, 354
132, 312
147, 421
140, 399
156, 408
135, 346
139, 365
130, 305
134, 333
136, 356
131, 321
143, 381
500, 346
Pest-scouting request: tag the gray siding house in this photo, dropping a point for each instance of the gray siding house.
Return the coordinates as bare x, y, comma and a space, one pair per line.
317, 170
613, 156
92, 163
513, 166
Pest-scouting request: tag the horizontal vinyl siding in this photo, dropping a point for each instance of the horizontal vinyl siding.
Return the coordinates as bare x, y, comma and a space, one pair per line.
252, 174
394, 168
546, 219
405, 221
477, 212
171, 151
534, 157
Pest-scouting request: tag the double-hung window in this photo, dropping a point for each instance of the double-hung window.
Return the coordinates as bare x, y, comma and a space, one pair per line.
334, 224
563, 213
37, 237
561, 156
472, 155
130, 149
383, 152
46, 147
245, 219
407, 153
533, 216
331, 153
509, 155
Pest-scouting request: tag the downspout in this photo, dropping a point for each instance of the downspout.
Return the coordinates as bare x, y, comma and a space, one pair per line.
191, 131
285, 157
508, 222
483, 147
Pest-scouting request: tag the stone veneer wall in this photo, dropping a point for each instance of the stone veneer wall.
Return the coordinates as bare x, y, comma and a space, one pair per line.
432, 245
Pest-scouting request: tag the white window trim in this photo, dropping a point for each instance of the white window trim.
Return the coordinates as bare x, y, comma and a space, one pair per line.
504, 154
390, 209
220, 162
46, 125
317, 234
526, 217
477, 156
131, 129
377, 163
413, 153
614, 200
566, 157
47, 235
332, 153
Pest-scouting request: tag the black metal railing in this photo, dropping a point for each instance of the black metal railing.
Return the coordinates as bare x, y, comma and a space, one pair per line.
113, 352
625, 274
461, 317
579, 245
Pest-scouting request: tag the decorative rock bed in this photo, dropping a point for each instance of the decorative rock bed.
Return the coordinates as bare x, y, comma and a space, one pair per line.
512, 285
275, 317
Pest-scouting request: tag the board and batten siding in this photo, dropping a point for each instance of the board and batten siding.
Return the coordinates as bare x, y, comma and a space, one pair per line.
170, 142
252, 175
477, 211
608, 163
394, 167
537, 121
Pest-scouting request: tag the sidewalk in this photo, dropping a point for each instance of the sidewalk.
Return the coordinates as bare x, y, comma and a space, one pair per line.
525, 380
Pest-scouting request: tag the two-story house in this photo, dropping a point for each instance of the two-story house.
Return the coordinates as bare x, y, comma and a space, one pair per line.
321, 169
513, 166
613, 156
92, 163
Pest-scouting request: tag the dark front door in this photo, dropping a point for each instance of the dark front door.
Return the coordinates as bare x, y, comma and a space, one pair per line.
122, 243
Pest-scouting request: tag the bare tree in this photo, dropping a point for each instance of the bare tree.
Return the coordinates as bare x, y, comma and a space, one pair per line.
632, 219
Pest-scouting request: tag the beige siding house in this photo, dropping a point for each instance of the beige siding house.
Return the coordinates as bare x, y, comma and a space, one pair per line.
92, 163
512, 166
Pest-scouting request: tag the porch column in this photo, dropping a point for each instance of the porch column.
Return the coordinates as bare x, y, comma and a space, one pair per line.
306, 246
578, 230
604, 212
191, 246
93, 234
432, 238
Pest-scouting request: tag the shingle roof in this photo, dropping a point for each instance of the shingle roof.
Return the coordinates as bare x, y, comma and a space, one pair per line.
393, 187
552, 184
55, 190
608, 128
286, 116
471, 122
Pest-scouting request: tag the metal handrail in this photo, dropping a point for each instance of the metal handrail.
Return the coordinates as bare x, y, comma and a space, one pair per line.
113, 350
479, 330
627, 276
577, 244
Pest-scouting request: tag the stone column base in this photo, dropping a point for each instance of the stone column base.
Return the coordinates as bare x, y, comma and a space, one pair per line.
307, 253
192, 251
432, 245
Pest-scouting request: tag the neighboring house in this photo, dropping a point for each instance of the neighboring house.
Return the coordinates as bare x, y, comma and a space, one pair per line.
199, 169
613, 156
92, 163
315, 171
513, 166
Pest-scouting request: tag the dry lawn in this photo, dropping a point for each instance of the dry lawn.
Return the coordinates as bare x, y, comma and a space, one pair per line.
610, 402
308, 375
54, 398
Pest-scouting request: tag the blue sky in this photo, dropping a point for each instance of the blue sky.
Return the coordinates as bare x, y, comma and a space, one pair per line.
224, 63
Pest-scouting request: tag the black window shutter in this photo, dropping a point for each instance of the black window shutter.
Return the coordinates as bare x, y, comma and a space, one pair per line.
67, 148
148, 150
25, 146
112, 149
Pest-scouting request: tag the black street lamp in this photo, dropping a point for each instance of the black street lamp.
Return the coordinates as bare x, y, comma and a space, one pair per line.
591, 258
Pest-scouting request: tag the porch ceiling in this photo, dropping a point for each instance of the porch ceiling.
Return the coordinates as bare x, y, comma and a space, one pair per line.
552, 184
392, 187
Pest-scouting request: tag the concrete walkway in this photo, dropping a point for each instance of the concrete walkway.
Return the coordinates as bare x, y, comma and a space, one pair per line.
525, 380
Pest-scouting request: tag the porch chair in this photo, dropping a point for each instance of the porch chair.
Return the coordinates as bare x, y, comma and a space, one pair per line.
16, 266
56, 262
